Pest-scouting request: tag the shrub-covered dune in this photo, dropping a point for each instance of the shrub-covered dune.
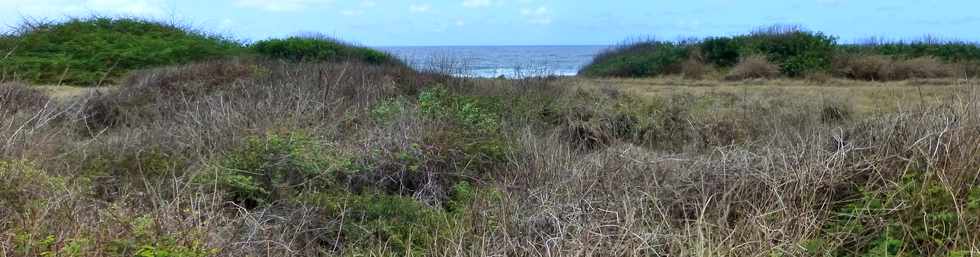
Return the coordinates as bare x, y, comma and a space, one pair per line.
793, 52
98, 51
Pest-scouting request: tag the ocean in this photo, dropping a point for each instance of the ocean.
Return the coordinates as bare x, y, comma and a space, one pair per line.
496, 61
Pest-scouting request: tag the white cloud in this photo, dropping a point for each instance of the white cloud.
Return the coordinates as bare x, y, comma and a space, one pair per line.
419, 8
477, 3
281, 5
540, 15
460, 23
368, 4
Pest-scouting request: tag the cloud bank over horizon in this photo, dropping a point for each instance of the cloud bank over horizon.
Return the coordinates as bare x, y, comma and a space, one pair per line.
524, 22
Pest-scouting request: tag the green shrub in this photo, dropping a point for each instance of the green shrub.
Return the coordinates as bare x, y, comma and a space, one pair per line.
112, 174
721, 51
481, 114
795, 51
950, 51
401, 224
23, 187
374, 221
145, 239
276, 167
477, 126
99, 50
642, 59
919, 216
319, 49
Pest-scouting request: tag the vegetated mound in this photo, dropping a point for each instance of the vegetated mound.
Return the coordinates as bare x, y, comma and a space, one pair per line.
318, 49
796, 52
99, 51
95, 51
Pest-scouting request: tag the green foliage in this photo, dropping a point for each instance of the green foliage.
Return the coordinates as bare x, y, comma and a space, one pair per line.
24, 187
375, 220
386, 110
99, 50
146, 240
797, 52
475, 135
951, 51
720, 51
472, 112
275, 167
638, 60
920, 217
319, 49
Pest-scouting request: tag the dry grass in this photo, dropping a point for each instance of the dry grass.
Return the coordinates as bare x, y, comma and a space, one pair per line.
753, 67
714, 169
867, 97
884, 68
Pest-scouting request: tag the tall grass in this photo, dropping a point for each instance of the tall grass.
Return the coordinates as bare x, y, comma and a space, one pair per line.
323, 159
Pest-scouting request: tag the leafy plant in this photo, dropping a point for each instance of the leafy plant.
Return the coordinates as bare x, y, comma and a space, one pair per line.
274, 167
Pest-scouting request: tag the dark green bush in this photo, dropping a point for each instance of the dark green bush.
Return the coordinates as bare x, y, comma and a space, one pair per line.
720, 51
94, 51
950, 51
642, 59
795, 51
319, 49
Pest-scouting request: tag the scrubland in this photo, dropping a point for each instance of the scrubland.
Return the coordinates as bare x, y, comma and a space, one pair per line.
279, 154
264, 158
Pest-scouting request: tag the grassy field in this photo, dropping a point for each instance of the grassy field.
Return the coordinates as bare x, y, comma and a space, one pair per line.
866, 97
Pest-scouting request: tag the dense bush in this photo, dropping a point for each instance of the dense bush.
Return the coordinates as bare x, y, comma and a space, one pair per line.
318, 49
638, 60
99, 50
796, 52
721, 51
952, 51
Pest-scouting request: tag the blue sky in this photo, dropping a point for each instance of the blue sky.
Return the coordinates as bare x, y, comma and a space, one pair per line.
528, 22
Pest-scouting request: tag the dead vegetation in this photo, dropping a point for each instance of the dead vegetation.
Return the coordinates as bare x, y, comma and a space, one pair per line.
272, 159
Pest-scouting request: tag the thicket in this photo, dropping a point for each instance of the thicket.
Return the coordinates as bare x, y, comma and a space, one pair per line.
797, 53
